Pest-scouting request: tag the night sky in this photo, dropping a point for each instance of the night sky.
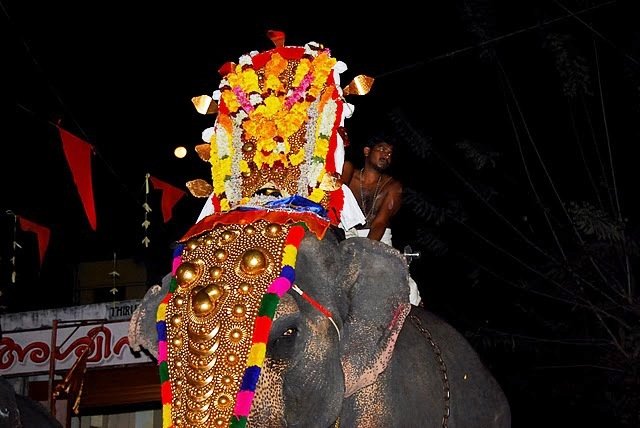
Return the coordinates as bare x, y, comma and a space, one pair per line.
121, 77
510, 118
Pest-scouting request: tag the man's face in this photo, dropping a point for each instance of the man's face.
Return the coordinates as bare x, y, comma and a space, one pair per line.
379, 156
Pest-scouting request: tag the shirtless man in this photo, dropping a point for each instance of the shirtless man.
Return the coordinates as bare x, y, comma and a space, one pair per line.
379, 196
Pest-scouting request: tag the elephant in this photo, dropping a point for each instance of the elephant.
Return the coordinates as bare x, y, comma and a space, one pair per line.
18, 411
347, 349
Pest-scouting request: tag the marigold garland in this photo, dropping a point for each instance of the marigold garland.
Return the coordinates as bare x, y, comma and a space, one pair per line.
265, 102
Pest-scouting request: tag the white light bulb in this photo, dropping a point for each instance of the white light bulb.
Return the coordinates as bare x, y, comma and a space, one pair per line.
180, 152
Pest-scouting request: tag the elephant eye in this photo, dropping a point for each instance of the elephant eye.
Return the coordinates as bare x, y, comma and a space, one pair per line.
284, 340
4, 412
289, 332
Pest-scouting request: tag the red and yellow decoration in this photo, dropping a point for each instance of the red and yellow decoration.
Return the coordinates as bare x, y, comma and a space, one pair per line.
278, 116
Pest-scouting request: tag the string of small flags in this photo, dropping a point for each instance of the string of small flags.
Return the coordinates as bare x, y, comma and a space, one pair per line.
114, 274
147, 209
170, 197
14, 246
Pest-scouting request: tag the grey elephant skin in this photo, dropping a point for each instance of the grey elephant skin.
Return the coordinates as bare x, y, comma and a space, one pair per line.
369, 369
17, 411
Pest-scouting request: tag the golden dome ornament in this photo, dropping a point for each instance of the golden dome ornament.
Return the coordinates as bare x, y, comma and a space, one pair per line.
253, 262
188, 273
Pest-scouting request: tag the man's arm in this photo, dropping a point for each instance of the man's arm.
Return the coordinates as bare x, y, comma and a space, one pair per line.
347, 172
388, 208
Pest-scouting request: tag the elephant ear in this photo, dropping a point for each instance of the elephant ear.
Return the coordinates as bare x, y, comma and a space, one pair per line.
375, 281
143, 332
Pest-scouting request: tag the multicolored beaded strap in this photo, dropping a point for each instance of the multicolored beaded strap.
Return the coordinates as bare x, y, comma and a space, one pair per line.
262, 326
161, 326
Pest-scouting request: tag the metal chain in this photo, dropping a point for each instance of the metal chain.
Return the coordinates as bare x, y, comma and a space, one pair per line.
443, 369
368, 215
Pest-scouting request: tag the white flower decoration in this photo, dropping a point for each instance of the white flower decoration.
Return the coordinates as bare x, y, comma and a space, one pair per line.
207, 134
255, 99
311, 48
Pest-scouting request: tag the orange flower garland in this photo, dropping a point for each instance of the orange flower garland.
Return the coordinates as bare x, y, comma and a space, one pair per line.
278, 111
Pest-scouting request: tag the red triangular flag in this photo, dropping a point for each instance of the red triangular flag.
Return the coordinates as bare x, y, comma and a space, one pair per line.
170, 196
78, 154
42, 234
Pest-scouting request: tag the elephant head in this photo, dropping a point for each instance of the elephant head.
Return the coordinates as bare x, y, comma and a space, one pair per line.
329, 338
338, 340
339, 348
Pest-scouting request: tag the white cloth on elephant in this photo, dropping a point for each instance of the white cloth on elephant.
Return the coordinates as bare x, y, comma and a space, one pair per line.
207, 210
350, 216
352, 233
414, 293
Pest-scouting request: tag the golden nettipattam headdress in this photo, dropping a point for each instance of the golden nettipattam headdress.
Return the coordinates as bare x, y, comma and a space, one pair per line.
276, 152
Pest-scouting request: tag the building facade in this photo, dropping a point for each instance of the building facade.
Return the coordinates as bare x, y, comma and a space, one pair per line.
88, 347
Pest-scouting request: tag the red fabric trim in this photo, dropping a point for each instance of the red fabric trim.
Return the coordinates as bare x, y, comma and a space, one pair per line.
78, 153
261, 59
216, 204
336, 204
314, 223
291, 52
330, 163
222, 108
226, 68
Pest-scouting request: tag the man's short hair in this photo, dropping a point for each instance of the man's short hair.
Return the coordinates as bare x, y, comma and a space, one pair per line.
376, 139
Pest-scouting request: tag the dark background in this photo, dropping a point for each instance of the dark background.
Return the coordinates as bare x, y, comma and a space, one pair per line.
516, 125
